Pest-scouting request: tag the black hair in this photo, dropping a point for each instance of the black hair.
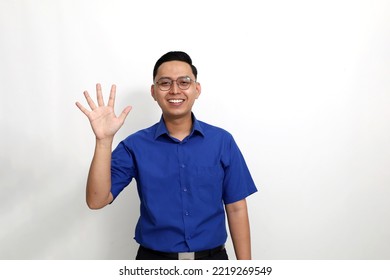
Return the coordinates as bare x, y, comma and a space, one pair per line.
175, 55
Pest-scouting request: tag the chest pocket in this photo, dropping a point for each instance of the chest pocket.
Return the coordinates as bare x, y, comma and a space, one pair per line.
207, 182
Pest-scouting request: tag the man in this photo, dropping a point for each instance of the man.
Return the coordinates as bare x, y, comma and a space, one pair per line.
188, 172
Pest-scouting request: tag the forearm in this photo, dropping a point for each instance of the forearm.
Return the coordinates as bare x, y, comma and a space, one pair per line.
238, 220
98, 192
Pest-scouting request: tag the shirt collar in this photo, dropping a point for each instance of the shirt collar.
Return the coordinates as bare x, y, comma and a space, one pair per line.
162, 129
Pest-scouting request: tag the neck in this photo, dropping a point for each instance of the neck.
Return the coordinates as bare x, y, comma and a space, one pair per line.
179, 128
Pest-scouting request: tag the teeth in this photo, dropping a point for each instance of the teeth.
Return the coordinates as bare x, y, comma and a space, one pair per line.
175, 101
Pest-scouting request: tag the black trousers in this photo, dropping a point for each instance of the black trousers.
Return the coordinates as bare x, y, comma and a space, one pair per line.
145, 254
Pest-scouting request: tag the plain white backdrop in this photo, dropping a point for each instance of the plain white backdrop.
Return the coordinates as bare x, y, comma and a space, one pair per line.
303, 86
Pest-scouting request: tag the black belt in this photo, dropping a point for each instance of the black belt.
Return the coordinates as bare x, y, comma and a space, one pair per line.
187, 255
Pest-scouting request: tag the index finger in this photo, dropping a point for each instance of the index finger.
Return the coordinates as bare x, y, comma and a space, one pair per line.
111, 100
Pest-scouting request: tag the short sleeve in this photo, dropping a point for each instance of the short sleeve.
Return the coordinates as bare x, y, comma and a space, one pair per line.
122, 168
238, 183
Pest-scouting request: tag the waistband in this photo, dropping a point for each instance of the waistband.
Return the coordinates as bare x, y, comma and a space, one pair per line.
187, 255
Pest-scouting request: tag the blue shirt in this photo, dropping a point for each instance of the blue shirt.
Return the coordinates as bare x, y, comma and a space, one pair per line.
182, 185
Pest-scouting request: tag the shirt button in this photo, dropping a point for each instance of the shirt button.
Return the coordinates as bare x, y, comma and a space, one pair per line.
183, 165
185, 189
186, 213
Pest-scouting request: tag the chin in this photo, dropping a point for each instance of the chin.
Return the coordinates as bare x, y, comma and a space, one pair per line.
176, 114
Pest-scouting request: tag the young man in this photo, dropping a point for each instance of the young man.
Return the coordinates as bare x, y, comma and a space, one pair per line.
188, 173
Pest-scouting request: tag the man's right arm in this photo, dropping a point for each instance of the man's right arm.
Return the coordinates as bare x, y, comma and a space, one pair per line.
98, 192
104, 124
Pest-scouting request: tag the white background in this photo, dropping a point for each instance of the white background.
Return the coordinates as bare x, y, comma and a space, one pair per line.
302, 85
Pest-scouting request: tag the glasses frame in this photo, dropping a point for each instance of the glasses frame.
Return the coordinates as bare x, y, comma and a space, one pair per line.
176, 81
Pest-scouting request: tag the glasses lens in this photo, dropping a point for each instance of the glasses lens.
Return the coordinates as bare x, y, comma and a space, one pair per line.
184, 82
164, 84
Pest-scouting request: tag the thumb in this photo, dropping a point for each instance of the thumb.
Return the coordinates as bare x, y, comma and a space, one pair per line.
124, 113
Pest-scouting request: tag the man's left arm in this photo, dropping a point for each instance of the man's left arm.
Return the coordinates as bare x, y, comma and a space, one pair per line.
238, 220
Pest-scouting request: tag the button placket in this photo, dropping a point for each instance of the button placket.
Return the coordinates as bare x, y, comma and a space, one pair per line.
184, 188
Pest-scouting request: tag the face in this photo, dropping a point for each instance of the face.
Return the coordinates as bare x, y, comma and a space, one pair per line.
175, 103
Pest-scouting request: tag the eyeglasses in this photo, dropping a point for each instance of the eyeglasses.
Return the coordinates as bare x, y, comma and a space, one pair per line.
182, 82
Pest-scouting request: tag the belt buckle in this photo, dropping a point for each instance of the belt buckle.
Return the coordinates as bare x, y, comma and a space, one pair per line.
187, 256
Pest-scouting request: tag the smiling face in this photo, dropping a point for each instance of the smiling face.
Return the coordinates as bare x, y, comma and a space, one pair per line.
175, 103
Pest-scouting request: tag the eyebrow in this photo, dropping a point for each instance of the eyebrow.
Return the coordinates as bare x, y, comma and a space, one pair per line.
164, 77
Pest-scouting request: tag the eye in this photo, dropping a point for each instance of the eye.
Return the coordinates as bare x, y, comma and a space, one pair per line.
165, 82
184, 82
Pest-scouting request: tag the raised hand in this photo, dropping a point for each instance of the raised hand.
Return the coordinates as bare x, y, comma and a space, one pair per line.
103, 120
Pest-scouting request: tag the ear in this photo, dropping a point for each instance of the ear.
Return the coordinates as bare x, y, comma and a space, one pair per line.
198, 89
152, 92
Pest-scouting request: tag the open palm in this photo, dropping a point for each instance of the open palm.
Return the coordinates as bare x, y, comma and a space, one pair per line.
103, 120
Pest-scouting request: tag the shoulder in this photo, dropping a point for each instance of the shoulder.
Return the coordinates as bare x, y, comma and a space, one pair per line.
212, 130
142, 134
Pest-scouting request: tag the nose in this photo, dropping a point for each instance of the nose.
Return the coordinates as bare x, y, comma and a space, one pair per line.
174, 88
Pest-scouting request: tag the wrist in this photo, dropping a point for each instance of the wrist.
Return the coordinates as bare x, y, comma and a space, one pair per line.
104, 143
